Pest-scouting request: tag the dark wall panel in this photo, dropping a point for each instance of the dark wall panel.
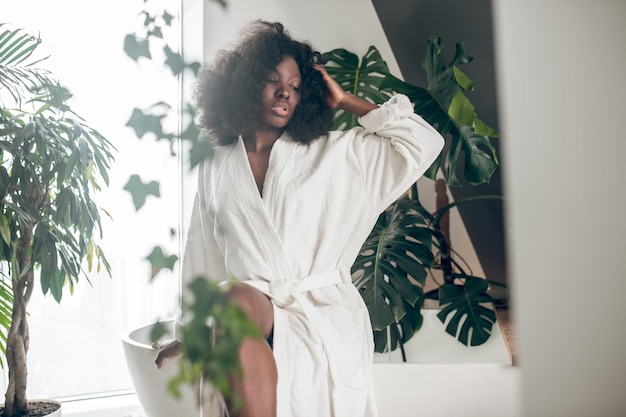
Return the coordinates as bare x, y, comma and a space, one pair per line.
408, 24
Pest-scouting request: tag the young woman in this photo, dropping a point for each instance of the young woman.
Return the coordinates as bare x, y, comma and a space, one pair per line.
285, 205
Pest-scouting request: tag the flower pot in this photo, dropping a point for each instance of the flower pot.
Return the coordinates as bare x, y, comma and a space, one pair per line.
432, 345
151, 383
41, 408
444, 378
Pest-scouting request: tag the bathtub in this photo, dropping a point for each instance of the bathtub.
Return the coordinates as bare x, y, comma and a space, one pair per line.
441, 378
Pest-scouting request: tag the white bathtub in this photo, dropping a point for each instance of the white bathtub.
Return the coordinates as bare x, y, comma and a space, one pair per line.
442, 379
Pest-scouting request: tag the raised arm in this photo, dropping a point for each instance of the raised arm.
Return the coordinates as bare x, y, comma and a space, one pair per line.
341, 99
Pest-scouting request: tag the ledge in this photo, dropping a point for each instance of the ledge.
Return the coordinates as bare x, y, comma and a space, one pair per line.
116, 404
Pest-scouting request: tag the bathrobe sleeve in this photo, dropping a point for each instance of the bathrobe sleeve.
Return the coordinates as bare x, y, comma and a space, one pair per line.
408, 147
202, 257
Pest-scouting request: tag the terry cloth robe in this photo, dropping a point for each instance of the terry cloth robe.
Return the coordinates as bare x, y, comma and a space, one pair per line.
298, 240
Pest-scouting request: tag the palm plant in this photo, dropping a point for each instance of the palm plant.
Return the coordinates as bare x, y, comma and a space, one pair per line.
50, 164
397, 257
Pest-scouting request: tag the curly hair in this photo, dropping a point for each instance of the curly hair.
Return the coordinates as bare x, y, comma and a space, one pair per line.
228, 92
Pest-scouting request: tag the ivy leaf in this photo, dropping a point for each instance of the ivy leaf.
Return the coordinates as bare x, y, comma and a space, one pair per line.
174, 61
136, 47
470, 320
143, 122
167, 18
159, 260
200, 150
157, 331
140, 190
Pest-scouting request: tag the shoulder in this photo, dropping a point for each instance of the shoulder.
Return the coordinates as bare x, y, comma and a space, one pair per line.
212, 166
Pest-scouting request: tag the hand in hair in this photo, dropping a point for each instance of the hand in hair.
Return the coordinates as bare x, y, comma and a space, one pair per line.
338, 98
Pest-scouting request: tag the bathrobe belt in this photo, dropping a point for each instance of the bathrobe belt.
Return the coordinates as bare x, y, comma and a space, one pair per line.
285, 292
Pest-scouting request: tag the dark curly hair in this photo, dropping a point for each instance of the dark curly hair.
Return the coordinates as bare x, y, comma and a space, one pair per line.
228, 92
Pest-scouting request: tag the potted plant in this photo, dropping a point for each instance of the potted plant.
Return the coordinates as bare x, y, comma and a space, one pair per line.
51, 163
397, 257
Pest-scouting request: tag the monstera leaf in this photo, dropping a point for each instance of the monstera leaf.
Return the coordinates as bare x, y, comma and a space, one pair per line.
361, 79
445, 106
398, 333
391, 271
442, 103
465, 302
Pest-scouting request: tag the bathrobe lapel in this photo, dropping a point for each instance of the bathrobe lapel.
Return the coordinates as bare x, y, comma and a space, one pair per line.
265, 226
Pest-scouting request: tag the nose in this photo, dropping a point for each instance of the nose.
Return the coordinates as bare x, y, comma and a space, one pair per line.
283, 93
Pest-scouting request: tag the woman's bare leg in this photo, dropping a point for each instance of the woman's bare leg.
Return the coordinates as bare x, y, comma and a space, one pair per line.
257, 386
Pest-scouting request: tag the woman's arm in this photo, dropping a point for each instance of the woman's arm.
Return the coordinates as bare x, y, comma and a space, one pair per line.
338, 98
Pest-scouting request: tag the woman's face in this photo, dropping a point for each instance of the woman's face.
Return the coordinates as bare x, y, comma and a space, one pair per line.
281, 95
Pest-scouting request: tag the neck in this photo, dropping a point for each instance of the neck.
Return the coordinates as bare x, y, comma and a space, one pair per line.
260, 141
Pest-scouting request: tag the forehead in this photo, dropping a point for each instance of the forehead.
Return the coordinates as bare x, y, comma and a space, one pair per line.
288, 67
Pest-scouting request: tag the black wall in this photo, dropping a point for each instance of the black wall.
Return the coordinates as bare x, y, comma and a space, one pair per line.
408, 24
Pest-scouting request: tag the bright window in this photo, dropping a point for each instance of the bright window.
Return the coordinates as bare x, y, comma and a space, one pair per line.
76, 346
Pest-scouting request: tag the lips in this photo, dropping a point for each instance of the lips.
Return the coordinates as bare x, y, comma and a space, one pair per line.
280, 109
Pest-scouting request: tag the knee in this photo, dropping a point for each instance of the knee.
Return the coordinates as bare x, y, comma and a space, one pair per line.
241, 296
255, 305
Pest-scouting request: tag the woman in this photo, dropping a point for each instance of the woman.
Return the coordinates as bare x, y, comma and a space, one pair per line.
285, 205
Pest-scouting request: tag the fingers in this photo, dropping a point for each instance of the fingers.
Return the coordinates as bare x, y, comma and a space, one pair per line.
167, 350
320, 68
336, 93
159, 361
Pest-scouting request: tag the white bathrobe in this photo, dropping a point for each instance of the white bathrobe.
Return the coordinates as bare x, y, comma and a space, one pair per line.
298, 241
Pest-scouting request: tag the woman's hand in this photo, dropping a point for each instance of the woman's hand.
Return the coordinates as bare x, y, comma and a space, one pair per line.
166, 350
336, 94
338, 98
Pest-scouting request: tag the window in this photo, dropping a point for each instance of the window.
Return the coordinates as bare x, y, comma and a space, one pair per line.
76, 346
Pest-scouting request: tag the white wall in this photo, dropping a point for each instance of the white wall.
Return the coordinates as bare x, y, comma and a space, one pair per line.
327, 24
561, 69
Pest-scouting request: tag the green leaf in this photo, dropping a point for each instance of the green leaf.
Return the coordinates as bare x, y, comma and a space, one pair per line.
157, 331
391, 270
174, 61
461, 110
199, 151
4, 182
446, 108
442, 104
469, 320
159, 260
480, 157
389, 338
136, 48
142, 123
140, 190
5, 230
463, 80
482, 129
211, 336
361, 79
